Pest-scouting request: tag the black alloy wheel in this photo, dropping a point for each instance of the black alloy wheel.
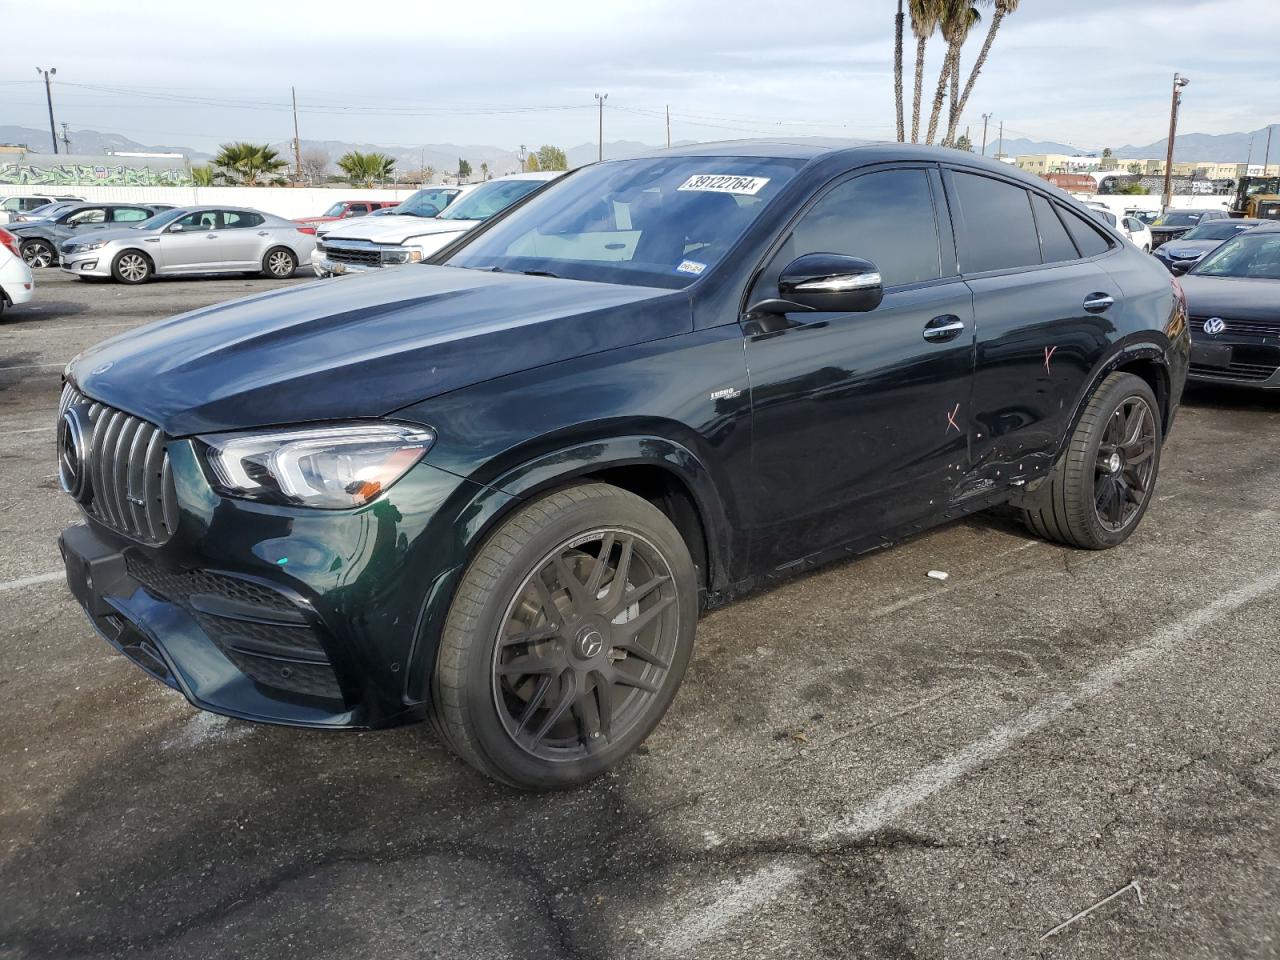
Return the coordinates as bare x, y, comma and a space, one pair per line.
1125, 463
586, 645
1103, 482
566, 639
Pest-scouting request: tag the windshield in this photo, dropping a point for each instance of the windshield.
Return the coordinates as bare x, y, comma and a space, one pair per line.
1178, 220
336, 210
427, 202
1217, 230
1251, 255
490, 198
159, 220
656, 222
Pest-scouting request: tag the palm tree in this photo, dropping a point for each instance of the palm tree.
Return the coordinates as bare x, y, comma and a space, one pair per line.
925, 16
1003, 9
246, 162
203, 176
484, 171
958, 18
897, 71
366, 168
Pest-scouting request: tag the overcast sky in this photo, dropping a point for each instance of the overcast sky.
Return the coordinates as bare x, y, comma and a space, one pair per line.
1089, 72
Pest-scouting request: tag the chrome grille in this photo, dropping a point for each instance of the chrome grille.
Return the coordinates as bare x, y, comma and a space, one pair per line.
130, 479
365, 255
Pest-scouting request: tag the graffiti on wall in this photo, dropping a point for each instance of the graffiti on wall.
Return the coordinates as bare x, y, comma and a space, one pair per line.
90, 174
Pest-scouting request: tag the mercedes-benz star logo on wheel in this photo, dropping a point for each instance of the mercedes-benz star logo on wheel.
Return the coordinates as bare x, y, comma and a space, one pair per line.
1214, 326
74, 431
590, 644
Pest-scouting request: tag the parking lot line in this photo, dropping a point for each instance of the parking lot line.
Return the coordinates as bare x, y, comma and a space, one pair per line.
758, 888
32, 581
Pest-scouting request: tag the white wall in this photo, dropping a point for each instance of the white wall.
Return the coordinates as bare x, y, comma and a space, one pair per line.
289, 202
1119, 203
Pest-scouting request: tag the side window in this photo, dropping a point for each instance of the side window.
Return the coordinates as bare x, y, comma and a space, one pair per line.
1087, 237
200, 220
232, 220
1055, 242
92, 215
359, 209
129, 214
14, 203
998, 232
886, 217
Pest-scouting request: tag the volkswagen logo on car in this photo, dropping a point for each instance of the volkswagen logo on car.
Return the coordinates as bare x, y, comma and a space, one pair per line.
74, 431
1214, 326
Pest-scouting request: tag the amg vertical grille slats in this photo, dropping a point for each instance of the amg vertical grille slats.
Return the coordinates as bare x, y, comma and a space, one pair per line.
129, 472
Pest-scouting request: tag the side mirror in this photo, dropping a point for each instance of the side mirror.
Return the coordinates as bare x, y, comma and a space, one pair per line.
1178, 269
176, 228
832, 283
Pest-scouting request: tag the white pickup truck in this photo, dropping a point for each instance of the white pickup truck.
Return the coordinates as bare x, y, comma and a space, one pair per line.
370, 243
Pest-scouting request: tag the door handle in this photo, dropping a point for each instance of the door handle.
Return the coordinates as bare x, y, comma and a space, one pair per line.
264, 233
943, 328
1098, 302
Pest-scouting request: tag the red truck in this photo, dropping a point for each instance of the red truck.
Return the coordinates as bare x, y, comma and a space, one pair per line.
345, 209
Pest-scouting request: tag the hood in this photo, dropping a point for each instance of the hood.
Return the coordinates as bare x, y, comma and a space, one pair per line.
396, 228
1188, 249
106, 234
1230, 297
363, 345
314, 219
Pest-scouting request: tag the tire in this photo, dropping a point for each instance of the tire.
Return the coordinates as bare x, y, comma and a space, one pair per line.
132, 267
1099, 489
39, 254
279, 263
596, 684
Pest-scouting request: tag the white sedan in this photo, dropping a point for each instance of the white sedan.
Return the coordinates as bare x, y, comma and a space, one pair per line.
16, 285
1134, 229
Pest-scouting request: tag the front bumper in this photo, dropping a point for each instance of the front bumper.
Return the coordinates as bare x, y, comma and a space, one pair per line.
278, 614
1253, 363
94, 263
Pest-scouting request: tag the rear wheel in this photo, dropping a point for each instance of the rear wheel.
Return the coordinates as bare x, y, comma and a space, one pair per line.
279, 263
38, 253
132, 267
1102, 485
567, 639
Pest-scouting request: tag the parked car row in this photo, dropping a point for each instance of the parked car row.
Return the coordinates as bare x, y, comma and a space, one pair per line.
18, 208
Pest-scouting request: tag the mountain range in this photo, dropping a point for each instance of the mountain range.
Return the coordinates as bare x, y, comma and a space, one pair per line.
1225, 148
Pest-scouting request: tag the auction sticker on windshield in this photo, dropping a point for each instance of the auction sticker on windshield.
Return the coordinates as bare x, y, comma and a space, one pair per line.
724, 183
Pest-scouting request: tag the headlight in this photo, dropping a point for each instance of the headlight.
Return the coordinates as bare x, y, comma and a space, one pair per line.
331, 468
85, 247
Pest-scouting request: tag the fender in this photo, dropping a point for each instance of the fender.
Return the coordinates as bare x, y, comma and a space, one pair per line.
472, 518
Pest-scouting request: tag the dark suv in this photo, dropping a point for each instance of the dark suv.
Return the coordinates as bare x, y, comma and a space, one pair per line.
496, 491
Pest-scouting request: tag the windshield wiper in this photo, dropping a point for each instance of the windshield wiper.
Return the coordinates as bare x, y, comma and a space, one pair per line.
541, 273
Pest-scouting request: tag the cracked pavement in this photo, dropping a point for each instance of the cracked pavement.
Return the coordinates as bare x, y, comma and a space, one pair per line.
132, 824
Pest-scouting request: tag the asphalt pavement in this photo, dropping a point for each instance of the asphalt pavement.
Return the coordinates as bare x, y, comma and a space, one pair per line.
863, 762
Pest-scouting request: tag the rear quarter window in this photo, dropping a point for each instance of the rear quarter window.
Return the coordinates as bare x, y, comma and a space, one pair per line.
1088, 238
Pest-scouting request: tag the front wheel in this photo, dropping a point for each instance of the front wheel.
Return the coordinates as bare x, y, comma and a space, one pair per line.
1102, 485
279, 263
567, 639
131, 267
38, 253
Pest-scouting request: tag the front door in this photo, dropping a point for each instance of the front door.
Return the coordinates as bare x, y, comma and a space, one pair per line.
859, 420
1043, 309
191, 243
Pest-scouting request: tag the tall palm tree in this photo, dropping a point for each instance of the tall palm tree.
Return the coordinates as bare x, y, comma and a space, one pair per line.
958, 18
897, 72
925, 16
366, 168
1003, 9
247, 162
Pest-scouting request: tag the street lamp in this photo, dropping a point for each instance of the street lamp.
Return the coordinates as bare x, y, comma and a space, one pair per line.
48, 95
1179, 81
600, 99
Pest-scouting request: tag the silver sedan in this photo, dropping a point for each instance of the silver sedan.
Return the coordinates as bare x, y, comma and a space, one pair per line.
193, 240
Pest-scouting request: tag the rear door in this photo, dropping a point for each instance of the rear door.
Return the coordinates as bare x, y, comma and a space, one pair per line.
858, 418
1041, 305
242, 239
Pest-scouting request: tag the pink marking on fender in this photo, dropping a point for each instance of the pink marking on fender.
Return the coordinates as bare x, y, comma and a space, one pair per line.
1048, 353
951, 420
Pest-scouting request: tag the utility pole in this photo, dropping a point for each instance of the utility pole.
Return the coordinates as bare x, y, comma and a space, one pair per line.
1000, 144
48, 95
522, 149
297, 144
668, 126
1266, 157
985, 118
1179, 82
66, 139
600, 99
